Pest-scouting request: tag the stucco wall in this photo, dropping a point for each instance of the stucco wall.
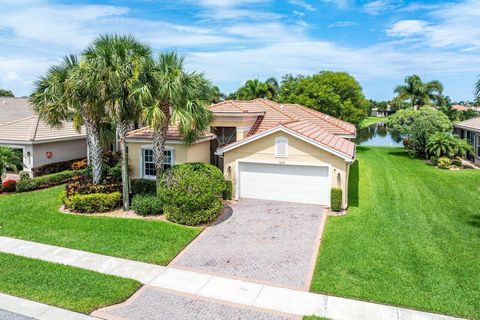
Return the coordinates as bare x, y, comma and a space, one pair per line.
243, 124
61, 151
199, 152
299, 152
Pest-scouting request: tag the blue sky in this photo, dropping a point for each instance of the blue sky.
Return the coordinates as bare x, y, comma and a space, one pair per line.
379, 41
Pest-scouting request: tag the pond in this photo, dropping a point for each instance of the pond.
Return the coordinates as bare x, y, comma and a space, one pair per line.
377, 135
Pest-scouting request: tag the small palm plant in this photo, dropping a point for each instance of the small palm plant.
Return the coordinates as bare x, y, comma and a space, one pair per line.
9, 160
462, 148
442, 144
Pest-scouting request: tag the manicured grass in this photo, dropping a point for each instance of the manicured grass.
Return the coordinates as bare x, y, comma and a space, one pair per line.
371, 120
411, 236
314, 318
62, 286
35, 216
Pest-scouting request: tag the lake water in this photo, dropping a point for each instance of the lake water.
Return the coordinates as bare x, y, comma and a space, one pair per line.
377, 135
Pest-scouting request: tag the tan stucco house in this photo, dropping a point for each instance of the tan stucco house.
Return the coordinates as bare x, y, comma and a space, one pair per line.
470, 130
273, 151
39, 144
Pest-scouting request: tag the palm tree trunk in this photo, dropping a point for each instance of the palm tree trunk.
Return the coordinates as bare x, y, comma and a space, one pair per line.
95, 150
159, 139
121, 134
89, 147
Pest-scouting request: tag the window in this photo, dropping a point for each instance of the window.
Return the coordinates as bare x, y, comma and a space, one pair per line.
149, 163
281, 147
478, 146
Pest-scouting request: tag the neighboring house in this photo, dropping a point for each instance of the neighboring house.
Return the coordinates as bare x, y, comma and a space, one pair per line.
459, 107
470, 130
39, 143
382, 113
273, 151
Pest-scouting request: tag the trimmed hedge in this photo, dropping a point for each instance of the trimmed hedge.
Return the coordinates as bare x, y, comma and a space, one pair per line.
177, 215
146, 204
191, 193
228, 191
95, 202
47, 181
54, 167
144, 186
336, 199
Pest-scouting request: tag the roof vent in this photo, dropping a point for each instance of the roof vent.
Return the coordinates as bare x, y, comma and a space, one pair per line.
281, 107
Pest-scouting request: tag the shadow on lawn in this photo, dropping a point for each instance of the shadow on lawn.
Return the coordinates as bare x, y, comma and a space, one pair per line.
474, 220
353, 185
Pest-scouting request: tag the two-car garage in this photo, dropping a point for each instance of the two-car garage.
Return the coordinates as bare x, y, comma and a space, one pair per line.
283, 182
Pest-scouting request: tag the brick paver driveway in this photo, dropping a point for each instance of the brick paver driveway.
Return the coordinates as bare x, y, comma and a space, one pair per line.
152, 303
257, 240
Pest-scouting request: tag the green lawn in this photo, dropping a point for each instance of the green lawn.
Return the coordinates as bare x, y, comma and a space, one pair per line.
62, 286
371, 120
411, 237
35, 216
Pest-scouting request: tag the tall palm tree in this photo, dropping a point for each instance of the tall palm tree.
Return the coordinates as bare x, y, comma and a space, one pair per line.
9, 159
477, 92
418, 92
178, 98
60, 95
272, 87
119, 64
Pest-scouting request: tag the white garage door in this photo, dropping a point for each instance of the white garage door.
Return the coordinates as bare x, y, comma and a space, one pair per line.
304, 184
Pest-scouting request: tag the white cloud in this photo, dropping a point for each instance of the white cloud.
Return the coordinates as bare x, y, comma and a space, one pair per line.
305, 5
406, 28
380, 6
452, 26
342, 4
343, 24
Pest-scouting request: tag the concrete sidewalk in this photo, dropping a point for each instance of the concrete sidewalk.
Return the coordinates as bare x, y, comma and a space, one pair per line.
220, 288
34, 310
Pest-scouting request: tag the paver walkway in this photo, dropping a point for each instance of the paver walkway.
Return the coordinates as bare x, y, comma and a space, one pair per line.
270, 242
159, 304
7, 315
222, 289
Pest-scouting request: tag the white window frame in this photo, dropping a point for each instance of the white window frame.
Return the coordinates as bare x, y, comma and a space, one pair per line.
142, 160
278, 141
477, 151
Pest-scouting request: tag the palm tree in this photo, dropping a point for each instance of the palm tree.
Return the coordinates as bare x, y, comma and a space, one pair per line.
178, 98
60, 95
216, 95
419, 93
9, 159
477, 92
119, 64
272, 87
462, 148
441, 144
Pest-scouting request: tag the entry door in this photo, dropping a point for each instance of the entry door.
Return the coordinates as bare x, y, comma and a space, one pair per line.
292, 183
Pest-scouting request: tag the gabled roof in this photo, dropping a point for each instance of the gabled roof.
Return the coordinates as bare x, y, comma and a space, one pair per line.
173, 133
12, 109
272, 114
33, 129
307, 132
473, 124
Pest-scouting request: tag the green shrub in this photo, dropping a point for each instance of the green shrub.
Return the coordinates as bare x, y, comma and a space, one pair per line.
48, 180
191, 193
95, 202
24, 175
84, 185
115, 171
336, 199
144, 186
146, 204
178, 215
457, 162
444, 163
434, 160
228, 191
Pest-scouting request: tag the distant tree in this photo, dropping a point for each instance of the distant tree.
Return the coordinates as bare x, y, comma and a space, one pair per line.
6, 93
420, 93
335, 93
417, 126
216, 95
255, 88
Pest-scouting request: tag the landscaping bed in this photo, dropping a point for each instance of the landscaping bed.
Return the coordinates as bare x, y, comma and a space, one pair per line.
35, 216
62, 286
411, 237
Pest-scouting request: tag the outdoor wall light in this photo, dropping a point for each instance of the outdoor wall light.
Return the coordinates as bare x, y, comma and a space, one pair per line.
229, 170
339, 179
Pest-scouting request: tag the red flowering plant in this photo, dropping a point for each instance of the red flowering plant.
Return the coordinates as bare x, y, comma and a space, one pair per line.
9, 185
